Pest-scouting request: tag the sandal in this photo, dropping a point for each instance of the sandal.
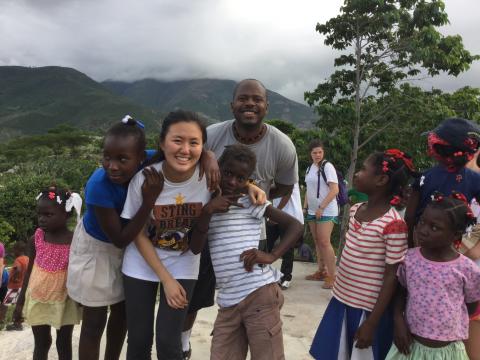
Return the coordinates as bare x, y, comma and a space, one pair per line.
328, 284
316, 276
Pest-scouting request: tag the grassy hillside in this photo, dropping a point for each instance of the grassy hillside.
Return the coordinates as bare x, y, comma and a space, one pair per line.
33, 100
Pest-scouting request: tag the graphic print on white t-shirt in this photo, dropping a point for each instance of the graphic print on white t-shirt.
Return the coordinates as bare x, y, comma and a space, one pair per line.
171, 223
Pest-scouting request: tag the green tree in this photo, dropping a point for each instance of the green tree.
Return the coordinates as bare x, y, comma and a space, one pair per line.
382, 43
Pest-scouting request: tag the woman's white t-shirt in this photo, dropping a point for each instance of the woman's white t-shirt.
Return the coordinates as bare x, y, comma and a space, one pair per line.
177, 207
311, 179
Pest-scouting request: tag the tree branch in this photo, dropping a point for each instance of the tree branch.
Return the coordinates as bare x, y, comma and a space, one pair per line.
378, 131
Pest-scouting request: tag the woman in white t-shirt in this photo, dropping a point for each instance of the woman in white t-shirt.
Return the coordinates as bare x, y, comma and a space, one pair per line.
321, 210
162, 253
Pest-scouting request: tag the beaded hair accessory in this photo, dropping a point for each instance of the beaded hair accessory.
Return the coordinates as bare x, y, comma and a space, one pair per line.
128, 120
392, 155
72, 201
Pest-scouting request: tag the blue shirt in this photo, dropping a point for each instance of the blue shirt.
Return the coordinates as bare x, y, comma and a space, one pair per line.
101, 192
437, 178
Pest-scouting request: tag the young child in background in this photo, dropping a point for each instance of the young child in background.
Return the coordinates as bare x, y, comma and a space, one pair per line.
438, 286
94, 272
44, 298
452, 143
15, 281
248, 294
358, 320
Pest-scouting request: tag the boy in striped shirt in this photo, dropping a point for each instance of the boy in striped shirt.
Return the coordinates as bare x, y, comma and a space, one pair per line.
248, 294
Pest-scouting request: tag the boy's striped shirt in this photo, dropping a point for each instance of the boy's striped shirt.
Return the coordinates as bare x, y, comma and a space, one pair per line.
229, 235
368, 247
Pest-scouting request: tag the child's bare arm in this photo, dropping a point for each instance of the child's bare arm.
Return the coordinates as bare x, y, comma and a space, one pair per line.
291, 230
110, 222
402, 336
365, 333
174, 292
17, 314
410, 212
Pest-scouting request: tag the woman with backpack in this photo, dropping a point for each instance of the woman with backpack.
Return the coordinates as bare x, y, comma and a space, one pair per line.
321, 211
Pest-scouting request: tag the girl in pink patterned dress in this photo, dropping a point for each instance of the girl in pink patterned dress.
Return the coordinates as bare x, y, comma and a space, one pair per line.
438, 286
44, 298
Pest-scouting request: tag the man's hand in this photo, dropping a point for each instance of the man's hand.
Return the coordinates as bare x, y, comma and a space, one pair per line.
257, 195
209, 167
254, 256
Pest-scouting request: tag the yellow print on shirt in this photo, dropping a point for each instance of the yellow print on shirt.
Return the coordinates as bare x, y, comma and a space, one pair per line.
171, 224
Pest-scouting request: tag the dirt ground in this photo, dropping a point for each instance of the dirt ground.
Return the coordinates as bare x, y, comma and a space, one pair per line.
305, 303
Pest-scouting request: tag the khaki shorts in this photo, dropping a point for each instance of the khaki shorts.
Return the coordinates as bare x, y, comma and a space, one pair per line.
94, 270
254, 322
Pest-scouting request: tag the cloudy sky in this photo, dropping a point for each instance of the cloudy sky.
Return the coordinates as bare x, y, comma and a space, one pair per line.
272, 40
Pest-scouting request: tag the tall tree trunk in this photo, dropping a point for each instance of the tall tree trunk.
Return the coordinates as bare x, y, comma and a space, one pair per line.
356, 136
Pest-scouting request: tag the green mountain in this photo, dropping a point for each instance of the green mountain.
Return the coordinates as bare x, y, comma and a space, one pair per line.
33, 100
210, 97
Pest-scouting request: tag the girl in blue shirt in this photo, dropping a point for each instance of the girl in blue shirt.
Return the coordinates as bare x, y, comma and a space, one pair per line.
94, 276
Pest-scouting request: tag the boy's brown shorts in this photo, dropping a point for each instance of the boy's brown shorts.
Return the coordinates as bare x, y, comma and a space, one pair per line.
254, 322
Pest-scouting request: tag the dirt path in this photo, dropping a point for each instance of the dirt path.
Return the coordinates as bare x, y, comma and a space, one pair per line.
305, 303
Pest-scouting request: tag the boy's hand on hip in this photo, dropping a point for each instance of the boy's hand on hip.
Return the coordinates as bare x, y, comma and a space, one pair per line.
152, 185
254, 256
364, 335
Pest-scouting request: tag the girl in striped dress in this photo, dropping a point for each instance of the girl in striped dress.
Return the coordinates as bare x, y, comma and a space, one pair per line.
358, 323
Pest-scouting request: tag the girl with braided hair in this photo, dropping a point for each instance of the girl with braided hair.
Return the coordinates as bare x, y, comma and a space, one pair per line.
358, 320
438, 287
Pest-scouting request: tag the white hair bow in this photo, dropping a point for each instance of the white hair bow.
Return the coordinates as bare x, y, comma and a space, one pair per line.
74, 202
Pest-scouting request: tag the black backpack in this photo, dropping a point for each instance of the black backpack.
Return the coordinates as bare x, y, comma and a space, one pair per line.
342, 196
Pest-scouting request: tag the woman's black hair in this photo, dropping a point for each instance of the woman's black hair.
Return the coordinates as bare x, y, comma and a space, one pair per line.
175, 117
399, 168
56, 195
239, 153
314, 144
457, 210
129, 127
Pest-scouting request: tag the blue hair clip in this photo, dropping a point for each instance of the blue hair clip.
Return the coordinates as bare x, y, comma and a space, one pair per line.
128, 120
